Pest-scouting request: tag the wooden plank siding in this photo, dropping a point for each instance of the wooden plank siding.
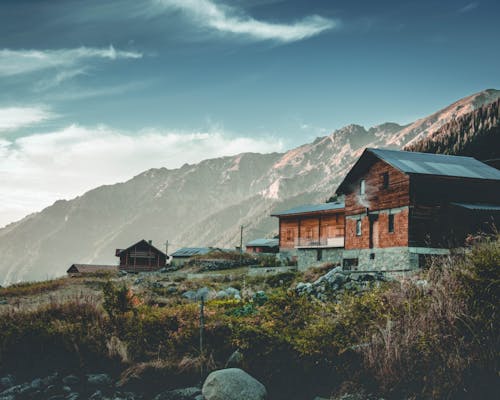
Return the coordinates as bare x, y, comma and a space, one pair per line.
376, 199
312, 226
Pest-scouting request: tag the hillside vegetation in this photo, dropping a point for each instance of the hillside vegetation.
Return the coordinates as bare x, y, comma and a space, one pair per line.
435, 336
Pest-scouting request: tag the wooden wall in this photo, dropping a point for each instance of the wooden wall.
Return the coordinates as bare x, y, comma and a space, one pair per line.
311, 226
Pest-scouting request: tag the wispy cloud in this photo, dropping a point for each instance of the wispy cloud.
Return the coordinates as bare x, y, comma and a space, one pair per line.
227, 19
12, 118
469, 7
38, 169
16, 62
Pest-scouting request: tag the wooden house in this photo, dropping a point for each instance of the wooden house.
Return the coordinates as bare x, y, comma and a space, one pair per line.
312, 233
402, 206
81, 269
263, 246
140, 257
183, 255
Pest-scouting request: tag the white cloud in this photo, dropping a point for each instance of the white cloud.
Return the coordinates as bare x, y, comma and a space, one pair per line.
16, 62
38, 169
469, 7
12, 118
231, 20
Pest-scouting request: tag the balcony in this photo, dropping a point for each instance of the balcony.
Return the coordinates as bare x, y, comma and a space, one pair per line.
323, 242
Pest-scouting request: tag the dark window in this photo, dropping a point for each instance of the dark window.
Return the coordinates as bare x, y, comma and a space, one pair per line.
391, 223
385, 180
319, 254
358, 227
372, 256
362, 187
350, 264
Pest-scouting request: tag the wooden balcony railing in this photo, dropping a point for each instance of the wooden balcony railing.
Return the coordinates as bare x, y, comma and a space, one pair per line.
319, 242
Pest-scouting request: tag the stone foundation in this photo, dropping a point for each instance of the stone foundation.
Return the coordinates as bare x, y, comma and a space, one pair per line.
307, 258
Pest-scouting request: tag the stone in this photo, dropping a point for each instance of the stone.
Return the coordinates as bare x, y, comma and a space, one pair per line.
190, 295
222, 294
179, 394
57, 397
71, 380
73, 396
4, 302
37, 383
233, 384
97, 395
231, 291
51, 379
235, 360
172, 289
7, 382
99, 380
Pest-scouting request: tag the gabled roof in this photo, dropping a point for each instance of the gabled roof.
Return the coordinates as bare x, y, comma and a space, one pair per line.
414, 163
264, 243
89, 268
311, 208
119, 251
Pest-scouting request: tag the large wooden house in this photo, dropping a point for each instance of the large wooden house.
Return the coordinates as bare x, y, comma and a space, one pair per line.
141, 256
402, 206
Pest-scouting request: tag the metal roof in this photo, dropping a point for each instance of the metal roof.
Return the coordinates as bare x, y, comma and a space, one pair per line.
436, 164
311, 208
264, 242
92, 268
191, 251
478, 206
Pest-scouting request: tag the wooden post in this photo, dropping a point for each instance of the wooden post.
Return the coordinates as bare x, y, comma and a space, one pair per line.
202, 327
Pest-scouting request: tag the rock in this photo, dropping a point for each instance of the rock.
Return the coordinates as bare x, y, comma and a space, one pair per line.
190, 295
180, 394
222, 294
231, 291
73, 396
157, 285
17, 390
235, 360
7, 382
172, 289
99, 380
4, 302
259, 297
7, 397
233, 384
138, 281
71, 380
57, 397
51, 389
96, 396
51, 379
163, 270
37, 383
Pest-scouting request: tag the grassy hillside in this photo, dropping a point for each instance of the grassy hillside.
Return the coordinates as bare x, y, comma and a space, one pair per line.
432, 336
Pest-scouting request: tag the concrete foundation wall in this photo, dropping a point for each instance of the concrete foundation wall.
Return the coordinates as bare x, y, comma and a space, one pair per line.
307, 258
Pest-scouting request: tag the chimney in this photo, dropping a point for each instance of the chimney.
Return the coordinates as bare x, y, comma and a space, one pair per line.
150, 242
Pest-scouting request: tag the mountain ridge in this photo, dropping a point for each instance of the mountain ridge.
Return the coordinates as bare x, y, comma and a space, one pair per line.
203, 203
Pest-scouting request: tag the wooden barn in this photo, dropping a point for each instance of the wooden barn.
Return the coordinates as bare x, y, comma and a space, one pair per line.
81, 269
402, 206
262, 246
140, 257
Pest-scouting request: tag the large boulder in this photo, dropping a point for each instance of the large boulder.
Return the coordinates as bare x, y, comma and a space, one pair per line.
179, 394
233, 384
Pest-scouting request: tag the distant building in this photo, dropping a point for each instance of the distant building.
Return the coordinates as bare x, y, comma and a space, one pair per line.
141, 256
312, 233
183, 255
263, 246
401, 207
80, 269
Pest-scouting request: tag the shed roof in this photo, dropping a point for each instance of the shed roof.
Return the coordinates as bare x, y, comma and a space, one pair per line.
478, 206
415, 163
264, 242
311, 208
191, 251
89, 268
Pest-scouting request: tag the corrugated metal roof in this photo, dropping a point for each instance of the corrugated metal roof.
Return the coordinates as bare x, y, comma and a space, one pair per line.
191, 251
309, 208
436, 164
478, 206
264, 242
93, 268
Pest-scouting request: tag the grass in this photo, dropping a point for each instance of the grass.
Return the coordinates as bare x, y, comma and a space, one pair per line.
31, 288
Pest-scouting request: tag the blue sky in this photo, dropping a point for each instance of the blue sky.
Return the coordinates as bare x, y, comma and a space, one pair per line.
95, 91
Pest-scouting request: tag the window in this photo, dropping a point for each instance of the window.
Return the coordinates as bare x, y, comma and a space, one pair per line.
350, 264
385, 180
319, 254
372, 256
391, 223
362, 187
289, 235
358, 227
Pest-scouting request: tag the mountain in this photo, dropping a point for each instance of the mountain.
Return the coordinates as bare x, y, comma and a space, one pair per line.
204, 204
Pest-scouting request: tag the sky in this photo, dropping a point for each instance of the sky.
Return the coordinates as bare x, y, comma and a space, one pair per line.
94, 92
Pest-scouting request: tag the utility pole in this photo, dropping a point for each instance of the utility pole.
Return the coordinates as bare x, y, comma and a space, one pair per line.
202, 327
241, 244
166, 247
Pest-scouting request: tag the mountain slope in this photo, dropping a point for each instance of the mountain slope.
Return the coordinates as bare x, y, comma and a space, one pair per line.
201, 204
